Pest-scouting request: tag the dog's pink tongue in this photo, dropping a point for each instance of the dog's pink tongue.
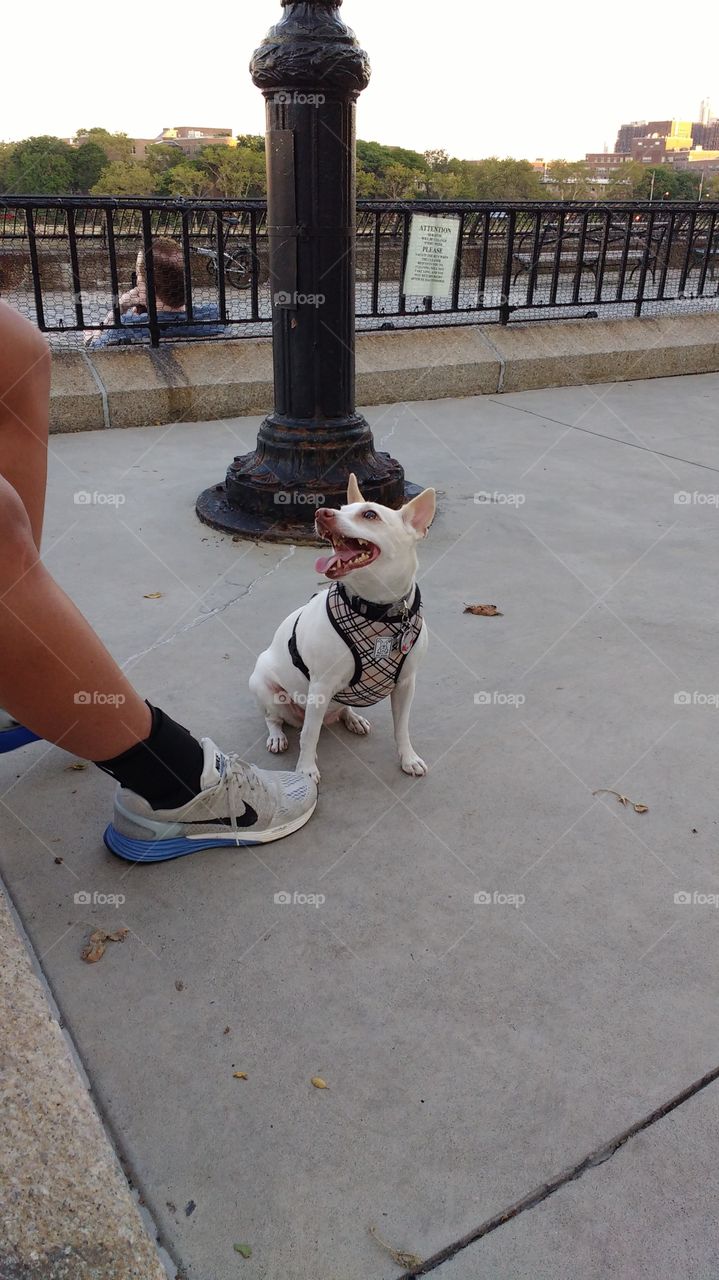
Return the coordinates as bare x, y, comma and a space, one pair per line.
337, 558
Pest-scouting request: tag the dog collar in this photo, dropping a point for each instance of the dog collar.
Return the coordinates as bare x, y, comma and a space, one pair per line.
398, 609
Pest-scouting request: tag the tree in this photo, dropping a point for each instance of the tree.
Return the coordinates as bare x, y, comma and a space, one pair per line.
188, 179
117, 146
6, 153
237, 172
367, 183
40, 166
88, 162
124, 178
398, 182
570, 179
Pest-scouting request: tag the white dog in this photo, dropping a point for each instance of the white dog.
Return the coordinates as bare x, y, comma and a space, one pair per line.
351, 646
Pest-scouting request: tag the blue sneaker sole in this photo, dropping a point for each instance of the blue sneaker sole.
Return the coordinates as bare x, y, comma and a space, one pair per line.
163, 850
11, 739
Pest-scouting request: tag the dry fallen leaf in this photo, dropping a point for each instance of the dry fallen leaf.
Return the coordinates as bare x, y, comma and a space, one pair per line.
152, 595
398, 1255
607, 791
483, 610
239, 1075
318, 1082
95, 948
78, 765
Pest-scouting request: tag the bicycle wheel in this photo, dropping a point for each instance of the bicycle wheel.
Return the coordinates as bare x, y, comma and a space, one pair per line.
238, 269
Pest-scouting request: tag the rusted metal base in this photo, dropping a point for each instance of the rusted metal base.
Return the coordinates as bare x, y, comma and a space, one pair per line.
214, 509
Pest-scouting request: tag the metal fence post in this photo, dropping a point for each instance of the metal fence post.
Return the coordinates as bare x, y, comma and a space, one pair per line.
311, 71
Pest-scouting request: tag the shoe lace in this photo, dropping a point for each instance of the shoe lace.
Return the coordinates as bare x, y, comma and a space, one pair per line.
240, 778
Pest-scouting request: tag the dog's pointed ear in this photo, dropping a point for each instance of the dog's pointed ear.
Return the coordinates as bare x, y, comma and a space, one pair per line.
353, 490
419, 513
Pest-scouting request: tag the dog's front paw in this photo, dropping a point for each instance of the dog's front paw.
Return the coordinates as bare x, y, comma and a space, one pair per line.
356, 723
414, 765
277, 743
311, 772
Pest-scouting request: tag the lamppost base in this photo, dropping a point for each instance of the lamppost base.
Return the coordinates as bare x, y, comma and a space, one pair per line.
214, 509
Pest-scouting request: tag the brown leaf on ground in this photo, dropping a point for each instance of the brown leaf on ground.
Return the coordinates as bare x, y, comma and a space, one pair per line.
239, 1075
318, 1082
483, 610
152, 595
97, 945
607, 791
397, 1255
77, 765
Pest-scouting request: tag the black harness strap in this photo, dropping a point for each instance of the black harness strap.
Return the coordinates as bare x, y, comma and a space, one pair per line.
295, 654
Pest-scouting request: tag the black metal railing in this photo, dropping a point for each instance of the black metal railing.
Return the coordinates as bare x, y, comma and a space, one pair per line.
67, 261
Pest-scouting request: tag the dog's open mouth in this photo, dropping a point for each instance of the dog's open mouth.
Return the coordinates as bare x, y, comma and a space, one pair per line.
347, 554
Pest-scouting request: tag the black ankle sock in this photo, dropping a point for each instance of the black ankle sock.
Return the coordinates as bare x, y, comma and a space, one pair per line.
165, 769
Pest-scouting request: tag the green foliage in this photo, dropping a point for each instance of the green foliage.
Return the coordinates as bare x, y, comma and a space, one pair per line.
125, 178
188, 179
570, 180
237, 172
40, 166
117, 146
88, 162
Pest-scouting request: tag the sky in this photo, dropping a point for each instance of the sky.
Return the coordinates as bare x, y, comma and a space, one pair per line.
528, 80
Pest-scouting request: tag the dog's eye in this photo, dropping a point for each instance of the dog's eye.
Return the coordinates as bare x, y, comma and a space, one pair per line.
370, 515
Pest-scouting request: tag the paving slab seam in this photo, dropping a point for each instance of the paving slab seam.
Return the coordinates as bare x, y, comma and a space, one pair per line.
101, 388
601, 435
546, 1189
502, 361
211, 613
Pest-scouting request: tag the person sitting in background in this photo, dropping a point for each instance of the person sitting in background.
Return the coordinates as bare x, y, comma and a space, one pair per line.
169, 274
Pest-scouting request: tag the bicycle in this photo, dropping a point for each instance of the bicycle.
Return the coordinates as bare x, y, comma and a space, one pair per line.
238, 263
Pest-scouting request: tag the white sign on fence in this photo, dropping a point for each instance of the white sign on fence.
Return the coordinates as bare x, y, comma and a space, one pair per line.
431, 256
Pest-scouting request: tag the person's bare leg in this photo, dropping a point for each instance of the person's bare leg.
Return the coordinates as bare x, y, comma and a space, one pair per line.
49, 654
24, 412
56, 677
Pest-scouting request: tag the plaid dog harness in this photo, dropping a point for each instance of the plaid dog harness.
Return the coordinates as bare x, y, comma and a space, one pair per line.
379, 638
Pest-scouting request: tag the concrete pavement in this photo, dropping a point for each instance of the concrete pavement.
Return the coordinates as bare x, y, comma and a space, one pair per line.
499, 978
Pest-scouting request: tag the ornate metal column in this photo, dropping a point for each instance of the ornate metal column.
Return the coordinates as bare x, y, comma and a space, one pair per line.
311, 71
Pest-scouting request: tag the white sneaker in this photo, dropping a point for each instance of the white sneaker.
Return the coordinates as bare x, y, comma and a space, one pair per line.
238, 805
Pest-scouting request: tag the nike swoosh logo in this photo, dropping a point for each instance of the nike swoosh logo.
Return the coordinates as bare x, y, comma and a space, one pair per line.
248, 819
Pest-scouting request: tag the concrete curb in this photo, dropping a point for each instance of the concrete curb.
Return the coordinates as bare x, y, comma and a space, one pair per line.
136, 386
66, 1212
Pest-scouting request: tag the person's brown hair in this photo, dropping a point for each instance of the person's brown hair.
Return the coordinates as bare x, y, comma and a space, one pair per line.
169, 271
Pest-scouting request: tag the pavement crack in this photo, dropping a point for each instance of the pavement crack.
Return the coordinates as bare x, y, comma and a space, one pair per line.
210, 613
601, 435
600, 1155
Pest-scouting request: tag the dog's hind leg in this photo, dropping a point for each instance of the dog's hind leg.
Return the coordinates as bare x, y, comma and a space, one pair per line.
266, 694
353, 721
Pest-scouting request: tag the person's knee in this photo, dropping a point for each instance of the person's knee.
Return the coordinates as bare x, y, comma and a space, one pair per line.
26, 353
19, 552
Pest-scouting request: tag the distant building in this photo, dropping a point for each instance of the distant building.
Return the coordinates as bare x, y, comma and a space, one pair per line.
192, 138
681, 143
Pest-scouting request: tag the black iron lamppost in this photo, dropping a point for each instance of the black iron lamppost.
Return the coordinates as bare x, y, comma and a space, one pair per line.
311, 71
